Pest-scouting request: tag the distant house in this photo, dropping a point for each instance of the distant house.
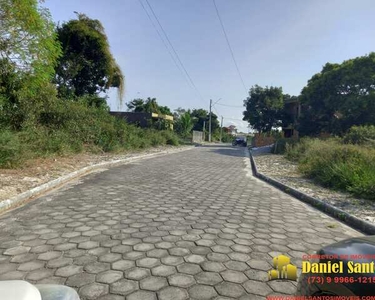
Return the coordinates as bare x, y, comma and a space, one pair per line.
143, 119
230, 129
293, 109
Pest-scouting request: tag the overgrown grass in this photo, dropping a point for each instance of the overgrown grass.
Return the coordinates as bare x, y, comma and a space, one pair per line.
71, 127
335, 164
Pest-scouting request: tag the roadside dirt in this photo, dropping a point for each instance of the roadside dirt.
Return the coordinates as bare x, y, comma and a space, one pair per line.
285, 171
39, 171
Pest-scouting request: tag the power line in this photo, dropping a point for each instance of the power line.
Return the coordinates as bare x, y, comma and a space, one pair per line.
174, 50
229, 46
228, 105
165, 44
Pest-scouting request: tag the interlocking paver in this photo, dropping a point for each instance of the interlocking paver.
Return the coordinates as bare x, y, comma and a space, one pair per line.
93, 290
191, 224
202, 292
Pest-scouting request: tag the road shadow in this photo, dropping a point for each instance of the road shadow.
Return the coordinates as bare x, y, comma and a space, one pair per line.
230, 151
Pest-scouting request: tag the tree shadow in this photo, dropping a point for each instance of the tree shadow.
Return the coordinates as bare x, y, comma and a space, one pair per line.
230, 151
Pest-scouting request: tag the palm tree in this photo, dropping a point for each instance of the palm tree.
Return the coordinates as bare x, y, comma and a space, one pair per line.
187, 124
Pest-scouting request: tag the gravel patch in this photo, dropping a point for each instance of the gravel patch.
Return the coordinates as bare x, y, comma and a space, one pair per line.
285, 171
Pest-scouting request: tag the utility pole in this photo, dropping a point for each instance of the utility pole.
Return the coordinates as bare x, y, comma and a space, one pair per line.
221, 128
209, 125
204, 130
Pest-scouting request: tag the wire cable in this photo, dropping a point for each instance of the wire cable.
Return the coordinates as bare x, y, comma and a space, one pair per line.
229, 46
175, 52
228, 105
166, 46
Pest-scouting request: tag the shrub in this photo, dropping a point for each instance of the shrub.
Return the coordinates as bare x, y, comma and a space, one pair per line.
10, 148
281, 144
340, 166
171, 137
360, 135
70, 127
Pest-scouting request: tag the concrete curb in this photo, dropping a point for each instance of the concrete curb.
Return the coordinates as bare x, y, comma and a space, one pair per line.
56, 183
330, 210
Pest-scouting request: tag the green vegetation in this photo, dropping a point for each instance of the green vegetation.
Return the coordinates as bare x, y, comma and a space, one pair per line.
360, 135
339, 97
72, 127
50, 85
335, 164
86, 66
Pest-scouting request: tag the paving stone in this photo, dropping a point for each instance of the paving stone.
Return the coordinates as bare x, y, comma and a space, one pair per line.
157, 253
229, 289
179, 251
172, 260
65, 247
153, 283
218, 257
284, 287
21, 258
49, 255
188, 268
142, 295
110, 257
257, 275
80, 279
181, 280
124, 287
208, 278
137, 273
173, 293
98, 251
96, 267
93, 290
109, 276
88, 245
13, 275
202, 292
68, 271
59, 262
134, 255
233, 276
121, 249
148, 262
164, 245
39, 274
212, 266
257, 287
17, 250
143, 247
53, 280
200, 250
31, 266
207, 243
259, 264
163, 270
195, 259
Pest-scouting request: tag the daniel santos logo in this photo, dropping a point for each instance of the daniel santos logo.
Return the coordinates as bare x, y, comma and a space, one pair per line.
283, 269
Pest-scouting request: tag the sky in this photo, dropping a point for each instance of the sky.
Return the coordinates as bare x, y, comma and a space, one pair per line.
278, 43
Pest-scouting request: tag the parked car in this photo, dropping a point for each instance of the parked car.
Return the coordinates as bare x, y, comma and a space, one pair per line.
349, 252
239, 141
23, 290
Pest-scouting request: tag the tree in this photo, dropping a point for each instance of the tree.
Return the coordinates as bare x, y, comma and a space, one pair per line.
28, 55
150, 105
340, 96
264, 107
202, 116
86, 66
184, 124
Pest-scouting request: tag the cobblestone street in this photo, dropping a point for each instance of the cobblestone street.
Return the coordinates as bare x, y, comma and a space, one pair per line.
189, 225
